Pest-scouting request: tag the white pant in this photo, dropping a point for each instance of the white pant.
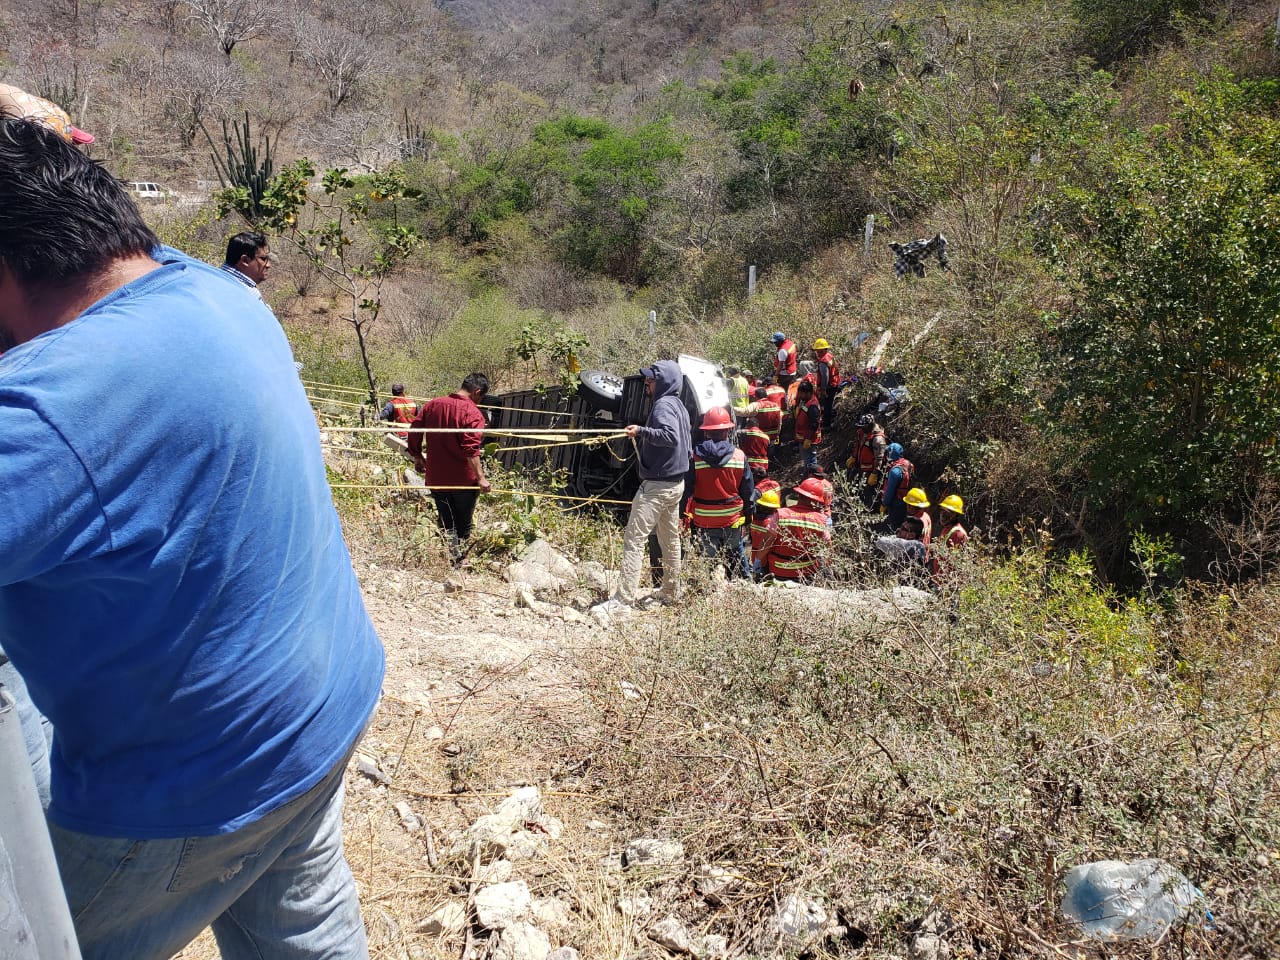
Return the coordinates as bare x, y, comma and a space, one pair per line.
656, 506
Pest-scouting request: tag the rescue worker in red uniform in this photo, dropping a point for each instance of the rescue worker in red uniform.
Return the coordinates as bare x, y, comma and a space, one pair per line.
897, 481
399, 409
917, 502
867, 458
767, 409
764, 525
829, 381
798, 549
784, 360
808, 424
951, 537
722, 495
754, 443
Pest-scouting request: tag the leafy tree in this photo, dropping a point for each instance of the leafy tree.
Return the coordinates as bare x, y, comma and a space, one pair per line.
1171, 352
1111, 30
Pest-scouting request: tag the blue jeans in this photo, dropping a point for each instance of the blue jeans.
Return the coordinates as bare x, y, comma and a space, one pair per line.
810, 455
277, 889
727, 544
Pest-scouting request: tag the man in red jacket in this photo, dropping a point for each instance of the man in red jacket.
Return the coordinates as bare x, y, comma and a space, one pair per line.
450, 462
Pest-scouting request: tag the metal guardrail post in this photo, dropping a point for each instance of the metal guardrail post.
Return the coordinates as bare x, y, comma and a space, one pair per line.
35, 923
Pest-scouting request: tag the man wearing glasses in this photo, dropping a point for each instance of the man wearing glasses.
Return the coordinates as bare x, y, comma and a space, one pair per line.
248, 259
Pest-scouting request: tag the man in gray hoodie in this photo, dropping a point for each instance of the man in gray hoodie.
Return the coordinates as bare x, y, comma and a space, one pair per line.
665, 446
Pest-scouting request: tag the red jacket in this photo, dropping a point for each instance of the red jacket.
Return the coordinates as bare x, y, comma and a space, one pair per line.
769, 416
447, 453
778, 395
864, 445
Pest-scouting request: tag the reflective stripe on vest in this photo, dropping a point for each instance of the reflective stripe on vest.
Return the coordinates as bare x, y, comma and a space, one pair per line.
809, 428
802, 537
905, 483
769, 418
406, 410
866, 450
716, 502
754, 443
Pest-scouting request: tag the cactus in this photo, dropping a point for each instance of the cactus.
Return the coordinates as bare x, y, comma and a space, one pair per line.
414, 142
242, 170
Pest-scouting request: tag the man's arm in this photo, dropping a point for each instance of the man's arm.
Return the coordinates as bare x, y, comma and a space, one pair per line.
471, 446
388, 411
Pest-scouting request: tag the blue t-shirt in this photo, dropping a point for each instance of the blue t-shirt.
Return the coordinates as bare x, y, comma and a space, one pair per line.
174, 586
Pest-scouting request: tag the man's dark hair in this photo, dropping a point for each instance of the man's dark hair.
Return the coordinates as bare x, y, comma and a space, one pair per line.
915, 525
244, 244
476, 383
761, 393
397, 389
805, 387
62, 215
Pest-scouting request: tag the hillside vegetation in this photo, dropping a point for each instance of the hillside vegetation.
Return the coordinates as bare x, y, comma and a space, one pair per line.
500, 186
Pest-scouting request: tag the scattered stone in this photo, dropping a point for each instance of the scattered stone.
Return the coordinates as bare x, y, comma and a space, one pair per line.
521, 941
651, 852
445, 920
408, 819
713, 882
669, 932
597, 826
550, 912
594, 577
450, 749
523, 805
713, 945
543, 568
630, 691
929, 940
799, 922
453, 586
499, 871
499, 906
563, 953
638, 907
368, 767
431, 734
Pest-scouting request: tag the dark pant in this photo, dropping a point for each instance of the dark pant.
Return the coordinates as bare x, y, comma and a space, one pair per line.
454, 509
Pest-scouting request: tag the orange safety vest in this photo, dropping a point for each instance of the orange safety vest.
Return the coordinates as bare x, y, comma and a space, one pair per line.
789, 367
809, 428
953, 538
866, 450
905, 483
926, 534
833, 376
762, 526
715, 502
754, 443
778, 395
803, 535
406, 411
769, 418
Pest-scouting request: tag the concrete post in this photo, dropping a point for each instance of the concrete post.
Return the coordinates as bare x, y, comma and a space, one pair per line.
751, 280
34, 919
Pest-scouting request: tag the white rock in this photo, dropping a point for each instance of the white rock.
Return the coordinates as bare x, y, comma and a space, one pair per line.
521, 941
550, 912
524, 804
649, 851
408, 819
712, 945
431, 734
669, 932
636, 908
799, 921
713, 882
543, 568
563, 953
497, 872
445, 920
499, 906
629, 690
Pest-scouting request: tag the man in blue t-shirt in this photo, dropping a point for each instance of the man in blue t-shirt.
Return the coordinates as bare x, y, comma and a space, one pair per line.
186, 615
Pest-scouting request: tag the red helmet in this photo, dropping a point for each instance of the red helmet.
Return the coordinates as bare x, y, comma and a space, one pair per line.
814, 489
717, 418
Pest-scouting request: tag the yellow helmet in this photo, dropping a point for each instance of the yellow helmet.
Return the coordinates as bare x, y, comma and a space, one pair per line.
821, 344
916, 497
953, 503
769, 499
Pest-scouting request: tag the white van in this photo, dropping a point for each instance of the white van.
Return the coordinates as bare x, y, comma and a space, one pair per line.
146, 190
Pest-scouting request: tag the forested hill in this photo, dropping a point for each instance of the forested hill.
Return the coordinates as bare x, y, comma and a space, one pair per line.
529, 180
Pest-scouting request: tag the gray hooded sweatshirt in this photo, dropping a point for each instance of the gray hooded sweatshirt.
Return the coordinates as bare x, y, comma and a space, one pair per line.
665, 442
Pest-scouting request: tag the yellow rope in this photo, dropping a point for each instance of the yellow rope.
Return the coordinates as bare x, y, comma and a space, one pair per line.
537, 434
514, 493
